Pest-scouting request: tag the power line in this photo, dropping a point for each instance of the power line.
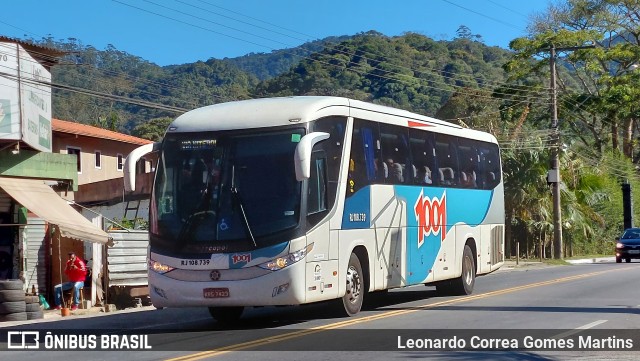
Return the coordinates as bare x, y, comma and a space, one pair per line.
304, 57
483, 15
506, 8
532, 98
94, 93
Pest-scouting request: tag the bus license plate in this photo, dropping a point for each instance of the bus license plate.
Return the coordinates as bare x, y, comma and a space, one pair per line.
216, 292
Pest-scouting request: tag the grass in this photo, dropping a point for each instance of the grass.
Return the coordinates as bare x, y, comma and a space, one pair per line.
556, 262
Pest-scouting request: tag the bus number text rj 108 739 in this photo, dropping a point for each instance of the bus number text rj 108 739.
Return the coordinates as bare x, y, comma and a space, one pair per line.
195, 262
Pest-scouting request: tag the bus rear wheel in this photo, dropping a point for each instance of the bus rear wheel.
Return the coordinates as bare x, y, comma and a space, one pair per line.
462, 285
351, 303
226, 315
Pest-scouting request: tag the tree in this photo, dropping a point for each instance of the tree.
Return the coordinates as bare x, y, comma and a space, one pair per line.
604, 99
153, 129
464, 32
598, 92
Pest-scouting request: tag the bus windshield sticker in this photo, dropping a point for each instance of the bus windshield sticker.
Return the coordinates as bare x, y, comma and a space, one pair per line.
241, 258
198, 144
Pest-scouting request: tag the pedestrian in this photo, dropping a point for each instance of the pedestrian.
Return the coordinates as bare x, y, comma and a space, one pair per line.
76, 272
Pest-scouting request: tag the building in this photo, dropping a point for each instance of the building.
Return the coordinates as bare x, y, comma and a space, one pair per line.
43, 165
100, 197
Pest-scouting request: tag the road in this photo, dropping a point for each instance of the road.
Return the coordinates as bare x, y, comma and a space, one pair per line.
542, 304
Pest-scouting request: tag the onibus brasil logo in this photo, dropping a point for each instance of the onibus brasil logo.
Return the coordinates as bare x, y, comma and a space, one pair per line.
431, 215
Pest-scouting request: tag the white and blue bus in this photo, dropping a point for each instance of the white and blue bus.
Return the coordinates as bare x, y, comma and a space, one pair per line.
287, 201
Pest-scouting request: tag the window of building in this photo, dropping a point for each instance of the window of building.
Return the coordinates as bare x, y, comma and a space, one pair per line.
141, 166
120, 162
76, 151
98, 161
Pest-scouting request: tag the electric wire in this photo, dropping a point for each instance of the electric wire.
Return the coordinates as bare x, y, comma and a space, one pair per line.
292, 54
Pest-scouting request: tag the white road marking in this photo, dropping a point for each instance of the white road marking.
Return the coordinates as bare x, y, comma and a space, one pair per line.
580, 329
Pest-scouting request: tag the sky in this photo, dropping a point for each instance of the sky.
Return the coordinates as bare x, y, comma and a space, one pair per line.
167, 32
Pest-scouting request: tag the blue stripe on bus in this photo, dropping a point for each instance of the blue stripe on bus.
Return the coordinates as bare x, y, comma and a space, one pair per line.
466, 206
357, 209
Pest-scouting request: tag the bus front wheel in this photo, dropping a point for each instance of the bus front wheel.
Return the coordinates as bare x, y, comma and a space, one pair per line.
351, 302
226, 314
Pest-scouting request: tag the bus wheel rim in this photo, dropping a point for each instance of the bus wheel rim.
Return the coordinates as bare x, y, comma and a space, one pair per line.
353, 284
468, 269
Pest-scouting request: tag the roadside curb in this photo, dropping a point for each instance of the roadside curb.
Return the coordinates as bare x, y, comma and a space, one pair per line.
524, 265
55, 315
592, 260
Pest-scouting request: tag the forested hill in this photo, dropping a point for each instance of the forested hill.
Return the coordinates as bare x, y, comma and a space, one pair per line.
120, 91
269, 65
412, 72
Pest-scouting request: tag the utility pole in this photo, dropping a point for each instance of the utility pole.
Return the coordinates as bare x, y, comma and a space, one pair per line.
553, 176
627, 205
554, 172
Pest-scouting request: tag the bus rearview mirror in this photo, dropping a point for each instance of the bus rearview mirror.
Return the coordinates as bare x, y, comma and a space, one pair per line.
130, 164
302, 155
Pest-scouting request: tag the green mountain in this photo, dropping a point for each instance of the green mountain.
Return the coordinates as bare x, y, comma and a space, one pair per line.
116, 90
269, 65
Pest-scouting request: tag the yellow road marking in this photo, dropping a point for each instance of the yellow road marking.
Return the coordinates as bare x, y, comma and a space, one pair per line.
349, 322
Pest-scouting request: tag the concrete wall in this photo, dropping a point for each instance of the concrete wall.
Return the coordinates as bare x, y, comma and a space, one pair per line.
108, 149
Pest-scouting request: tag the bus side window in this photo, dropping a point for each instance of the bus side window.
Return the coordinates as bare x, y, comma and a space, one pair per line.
423, 157
446, 154
364, 167
333, 148
317, 188
395, 154
469, 163
490, 165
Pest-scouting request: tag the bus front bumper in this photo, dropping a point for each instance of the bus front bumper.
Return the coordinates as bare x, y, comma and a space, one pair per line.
282, 287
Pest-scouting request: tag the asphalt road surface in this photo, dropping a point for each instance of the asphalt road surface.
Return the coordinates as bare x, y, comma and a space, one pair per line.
595, 307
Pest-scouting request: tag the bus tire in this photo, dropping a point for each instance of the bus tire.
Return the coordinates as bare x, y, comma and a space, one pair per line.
226, 315
463, 285
351, 302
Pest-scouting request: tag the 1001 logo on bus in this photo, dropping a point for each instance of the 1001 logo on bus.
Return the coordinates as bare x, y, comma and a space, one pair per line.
431, 215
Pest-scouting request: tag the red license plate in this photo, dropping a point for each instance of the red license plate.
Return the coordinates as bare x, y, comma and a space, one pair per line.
216, 292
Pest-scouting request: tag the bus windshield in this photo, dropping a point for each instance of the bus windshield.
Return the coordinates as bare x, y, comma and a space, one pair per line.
221, 189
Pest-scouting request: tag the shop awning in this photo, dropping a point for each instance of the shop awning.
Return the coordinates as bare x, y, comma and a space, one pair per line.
40, 199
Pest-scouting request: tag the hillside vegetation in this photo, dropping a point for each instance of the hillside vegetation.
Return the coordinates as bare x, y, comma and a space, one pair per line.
505, 92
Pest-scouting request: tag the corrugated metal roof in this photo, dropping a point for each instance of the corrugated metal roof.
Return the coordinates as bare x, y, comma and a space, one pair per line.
48, 56
63, 126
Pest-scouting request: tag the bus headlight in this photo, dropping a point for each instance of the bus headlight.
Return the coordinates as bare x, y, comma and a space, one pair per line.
285, 261
158, 267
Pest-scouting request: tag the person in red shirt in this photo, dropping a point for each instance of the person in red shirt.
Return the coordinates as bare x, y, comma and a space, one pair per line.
76, 272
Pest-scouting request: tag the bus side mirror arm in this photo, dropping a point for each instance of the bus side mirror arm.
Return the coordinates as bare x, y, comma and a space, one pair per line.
130, 164
302, 155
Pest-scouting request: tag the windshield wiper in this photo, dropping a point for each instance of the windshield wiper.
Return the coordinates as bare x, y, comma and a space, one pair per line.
236, 196
201, 209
